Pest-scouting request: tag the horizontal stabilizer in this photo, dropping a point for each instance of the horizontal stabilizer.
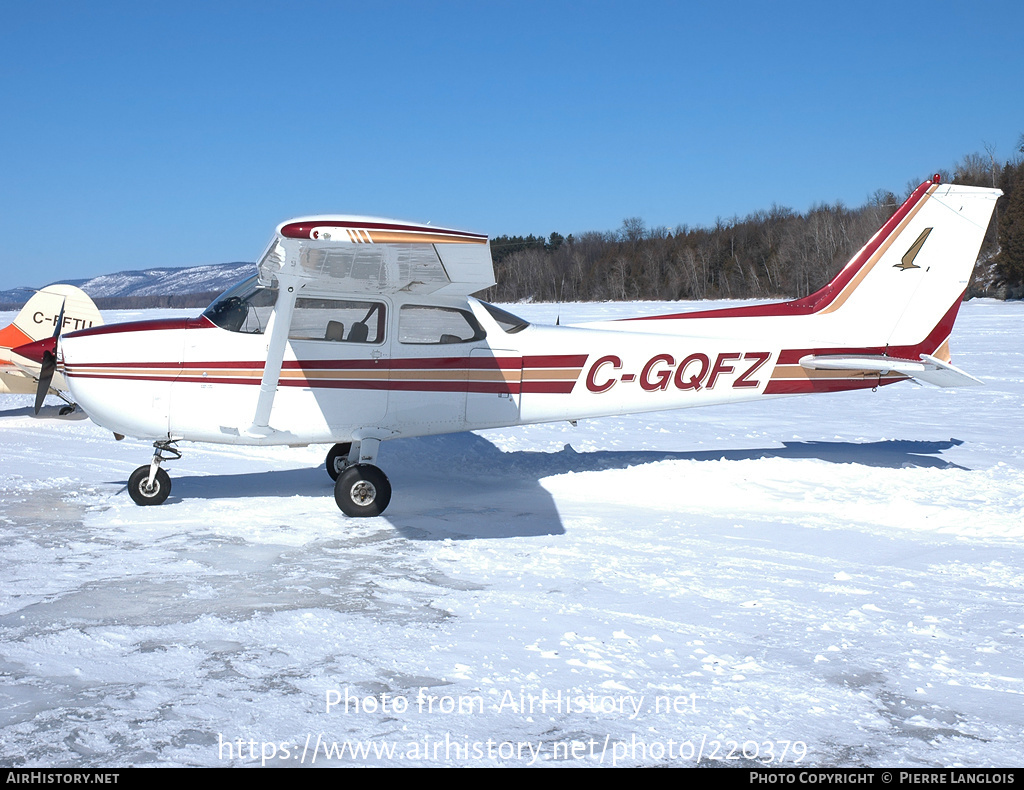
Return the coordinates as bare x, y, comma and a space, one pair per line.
928, 368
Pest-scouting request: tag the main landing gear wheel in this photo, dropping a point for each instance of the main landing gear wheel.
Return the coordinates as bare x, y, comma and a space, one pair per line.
362, 490
144, 494
337, 459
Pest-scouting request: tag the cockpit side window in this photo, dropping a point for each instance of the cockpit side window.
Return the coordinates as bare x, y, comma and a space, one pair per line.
337, 320
247, 307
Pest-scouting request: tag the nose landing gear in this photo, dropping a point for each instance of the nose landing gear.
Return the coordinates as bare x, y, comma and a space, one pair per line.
149, 484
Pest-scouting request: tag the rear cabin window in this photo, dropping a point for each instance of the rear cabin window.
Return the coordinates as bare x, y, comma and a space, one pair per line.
425, 325
337, 320
508, 322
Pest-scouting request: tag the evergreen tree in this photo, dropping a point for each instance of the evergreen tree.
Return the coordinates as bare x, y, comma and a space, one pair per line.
1010, 261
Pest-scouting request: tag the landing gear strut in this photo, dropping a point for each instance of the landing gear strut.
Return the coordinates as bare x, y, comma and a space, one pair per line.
360, 489
149, 484
69, 407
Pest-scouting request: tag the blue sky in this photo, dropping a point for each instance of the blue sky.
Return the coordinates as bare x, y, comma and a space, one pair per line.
137, 135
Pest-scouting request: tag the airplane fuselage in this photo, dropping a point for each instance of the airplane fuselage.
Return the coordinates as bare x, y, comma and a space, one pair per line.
189, 379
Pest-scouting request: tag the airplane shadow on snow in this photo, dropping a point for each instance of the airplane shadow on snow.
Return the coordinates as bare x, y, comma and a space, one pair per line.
461, 486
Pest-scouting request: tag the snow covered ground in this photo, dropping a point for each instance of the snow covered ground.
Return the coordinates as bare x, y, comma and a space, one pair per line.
826, 581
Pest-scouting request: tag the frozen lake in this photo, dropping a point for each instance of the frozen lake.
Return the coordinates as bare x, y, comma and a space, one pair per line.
828, 581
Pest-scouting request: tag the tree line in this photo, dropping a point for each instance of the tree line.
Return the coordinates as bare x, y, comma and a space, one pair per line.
773, 253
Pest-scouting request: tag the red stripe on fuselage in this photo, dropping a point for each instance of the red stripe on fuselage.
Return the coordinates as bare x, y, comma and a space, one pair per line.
426, 364
186, 373
152, 325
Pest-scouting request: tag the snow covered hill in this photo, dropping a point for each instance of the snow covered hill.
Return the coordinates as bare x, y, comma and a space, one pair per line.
152, 282
820, 581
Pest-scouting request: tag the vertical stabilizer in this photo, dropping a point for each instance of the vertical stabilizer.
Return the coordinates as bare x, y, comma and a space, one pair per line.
42, 316
912, 275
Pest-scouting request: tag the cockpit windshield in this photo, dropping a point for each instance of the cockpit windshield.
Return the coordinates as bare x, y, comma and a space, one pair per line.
244, 308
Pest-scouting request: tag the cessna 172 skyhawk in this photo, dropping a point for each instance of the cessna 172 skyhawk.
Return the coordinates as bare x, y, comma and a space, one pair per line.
358, 330
49, 312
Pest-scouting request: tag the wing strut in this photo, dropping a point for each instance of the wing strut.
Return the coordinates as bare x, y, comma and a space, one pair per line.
280, 324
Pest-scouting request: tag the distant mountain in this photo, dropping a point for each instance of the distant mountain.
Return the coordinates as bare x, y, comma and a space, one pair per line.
155, 287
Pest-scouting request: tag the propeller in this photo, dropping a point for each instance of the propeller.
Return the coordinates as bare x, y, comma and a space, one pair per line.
46, 370
48, 362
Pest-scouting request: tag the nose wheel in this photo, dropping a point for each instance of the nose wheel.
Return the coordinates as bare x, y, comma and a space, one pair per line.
146, 492
150, 484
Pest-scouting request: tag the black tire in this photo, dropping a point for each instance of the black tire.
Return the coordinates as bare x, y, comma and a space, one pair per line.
66, 410
337, 458
143, 496
362, 491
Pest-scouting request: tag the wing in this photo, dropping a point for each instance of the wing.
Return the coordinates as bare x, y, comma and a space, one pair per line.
348, 254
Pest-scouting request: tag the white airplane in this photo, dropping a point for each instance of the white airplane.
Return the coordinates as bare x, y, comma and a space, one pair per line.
359, 330
49, 312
